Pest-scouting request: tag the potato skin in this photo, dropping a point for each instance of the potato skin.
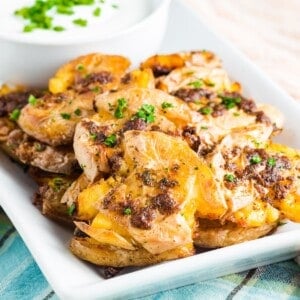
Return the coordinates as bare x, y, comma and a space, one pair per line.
89, 250
212, 234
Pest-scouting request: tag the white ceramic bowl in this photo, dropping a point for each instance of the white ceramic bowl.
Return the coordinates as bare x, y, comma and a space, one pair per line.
32, 60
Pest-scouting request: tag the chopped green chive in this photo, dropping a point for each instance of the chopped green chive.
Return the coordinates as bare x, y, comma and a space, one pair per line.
29, 28
165, 105
32, 100
271, 162
77, 112
64, 10
127, 211
37, 15
71, 209
58, 28
97, 12
115, 6
80, 22
229, 177
206, 110
236, 114
15, 114
122, 105
204, 127
146, 113
196, 84
111, 140
66, 116
255, 159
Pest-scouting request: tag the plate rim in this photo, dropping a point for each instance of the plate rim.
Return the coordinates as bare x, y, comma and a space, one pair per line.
74, 292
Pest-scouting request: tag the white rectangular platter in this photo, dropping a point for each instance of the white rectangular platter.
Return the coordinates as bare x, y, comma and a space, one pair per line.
74, 279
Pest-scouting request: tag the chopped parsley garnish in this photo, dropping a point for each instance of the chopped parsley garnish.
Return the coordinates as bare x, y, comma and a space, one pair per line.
146, 113
115, 6
122, 105
96, 89
57, 184
71, 209
165, 105
229, 177
206, 110
32, 100
256, 143
189, 73
255, 159
110, 107
93, 136
196, 84
127, 211
204, 127
230, 102
271, 162
80, 67
77, 112
15, 114
111, 140
39, 147
66, 116
80, 22
97, 12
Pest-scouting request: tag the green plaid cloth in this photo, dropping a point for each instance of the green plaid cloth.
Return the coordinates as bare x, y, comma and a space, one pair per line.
21, 278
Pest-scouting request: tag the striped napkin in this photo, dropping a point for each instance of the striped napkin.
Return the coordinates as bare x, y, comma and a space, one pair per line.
21, 278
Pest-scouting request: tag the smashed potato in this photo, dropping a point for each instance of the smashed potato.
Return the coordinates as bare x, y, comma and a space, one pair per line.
90, 72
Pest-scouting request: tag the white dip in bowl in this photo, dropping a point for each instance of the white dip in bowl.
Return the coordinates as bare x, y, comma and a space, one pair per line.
134, 28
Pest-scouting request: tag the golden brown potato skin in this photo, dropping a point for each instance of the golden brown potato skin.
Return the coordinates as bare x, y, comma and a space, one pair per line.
89, 250
212, 234
49, 194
